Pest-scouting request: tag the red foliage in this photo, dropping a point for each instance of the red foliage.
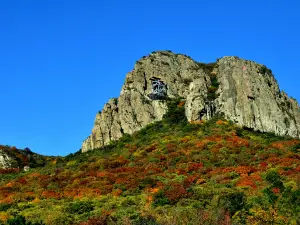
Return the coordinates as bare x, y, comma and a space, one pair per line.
175, 191
189, 181
194, 167
152, 170
151, 148
171, 147
275, 190
215, 138
162, 157
227, 219
285, 162
100, 220
281, 145
120, 161
22, 180
201, 145
181, 171
238, 142
263, 164
51, 194
216, 148
173, 155
10, 170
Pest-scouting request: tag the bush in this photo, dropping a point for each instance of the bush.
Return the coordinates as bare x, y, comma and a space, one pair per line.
79, 207
160, 199
96, 221
274, 179
145, 221
20, 220
271, 196
211, 95
263, 70
233, 202
296, 148
176, 112
4, 206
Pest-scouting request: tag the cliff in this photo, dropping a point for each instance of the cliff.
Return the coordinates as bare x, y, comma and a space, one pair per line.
241, 90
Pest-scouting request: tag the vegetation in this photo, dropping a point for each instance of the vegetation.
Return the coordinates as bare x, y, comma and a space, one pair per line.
264, 70
212, 89
171, 172
20, 158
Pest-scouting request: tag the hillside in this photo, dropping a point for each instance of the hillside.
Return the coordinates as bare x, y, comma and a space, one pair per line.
12, 158
170, 172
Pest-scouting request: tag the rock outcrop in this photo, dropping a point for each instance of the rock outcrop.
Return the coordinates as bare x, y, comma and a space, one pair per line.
5, 160
243, 91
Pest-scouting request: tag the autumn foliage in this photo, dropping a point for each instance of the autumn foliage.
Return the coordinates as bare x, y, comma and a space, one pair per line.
169, 173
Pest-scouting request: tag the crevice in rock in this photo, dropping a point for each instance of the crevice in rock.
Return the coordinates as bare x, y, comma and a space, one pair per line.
208, 111
145, 82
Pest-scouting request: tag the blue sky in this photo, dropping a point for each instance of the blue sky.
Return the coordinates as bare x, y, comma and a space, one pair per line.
61, 60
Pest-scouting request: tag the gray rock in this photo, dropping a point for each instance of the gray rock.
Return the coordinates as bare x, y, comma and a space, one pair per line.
248, 94
5, 160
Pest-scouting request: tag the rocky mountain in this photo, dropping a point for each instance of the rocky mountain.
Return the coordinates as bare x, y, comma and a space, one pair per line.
240, 90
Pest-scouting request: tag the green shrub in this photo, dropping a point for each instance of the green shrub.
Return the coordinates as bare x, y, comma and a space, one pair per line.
263, 70
176, 112
145, 221
274, 179
20, 220
211, 94
233, 202
160, 199
79, 207
271, 196
4, 206
296, 148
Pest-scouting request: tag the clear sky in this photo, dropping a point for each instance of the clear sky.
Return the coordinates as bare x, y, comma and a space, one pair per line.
61, 60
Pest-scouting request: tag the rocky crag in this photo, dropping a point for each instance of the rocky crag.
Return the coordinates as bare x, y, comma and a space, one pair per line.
241, 90
5, 160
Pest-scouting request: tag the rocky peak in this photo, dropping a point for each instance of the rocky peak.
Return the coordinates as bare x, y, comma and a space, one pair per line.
243, 91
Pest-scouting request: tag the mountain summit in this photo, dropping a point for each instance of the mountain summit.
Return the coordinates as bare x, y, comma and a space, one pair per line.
242, 91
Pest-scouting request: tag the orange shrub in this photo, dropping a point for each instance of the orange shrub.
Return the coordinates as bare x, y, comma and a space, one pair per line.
221, 122
181, 104
117, 192
245, 181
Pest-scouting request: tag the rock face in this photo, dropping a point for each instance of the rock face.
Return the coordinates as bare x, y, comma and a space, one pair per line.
241, 90
5, 160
